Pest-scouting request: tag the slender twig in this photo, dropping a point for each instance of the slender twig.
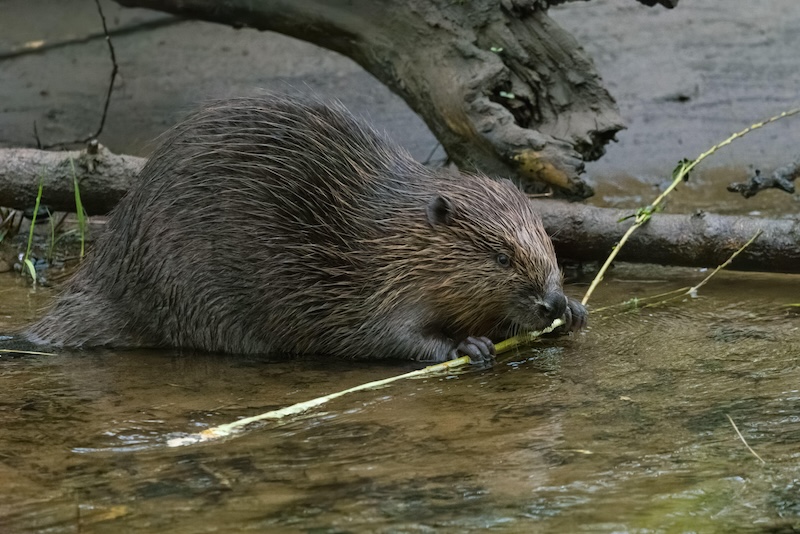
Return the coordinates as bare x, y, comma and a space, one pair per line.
36, 136
692, 291
40, 47
726, 263
435, 148
741, 437
113, 77
680, 174
28, 352
636, 302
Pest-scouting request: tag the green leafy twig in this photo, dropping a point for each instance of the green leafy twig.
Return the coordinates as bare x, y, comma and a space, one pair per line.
679, 174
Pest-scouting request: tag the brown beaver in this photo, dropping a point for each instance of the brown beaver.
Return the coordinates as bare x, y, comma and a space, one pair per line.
277, 225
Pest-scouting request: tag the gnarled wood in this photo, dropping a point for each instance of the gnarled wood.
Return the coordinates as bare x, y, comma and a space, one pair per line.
500, 84
580, 232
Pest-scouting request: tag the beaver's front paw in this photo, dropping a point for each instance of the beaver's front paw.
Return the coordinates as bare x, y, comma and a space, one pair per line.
575, 317
479, 349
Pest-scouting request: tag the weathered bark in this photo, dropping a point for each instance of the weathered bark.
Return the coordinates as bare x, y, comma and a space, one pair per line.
580, 232
499, 83
782, 179
103, 177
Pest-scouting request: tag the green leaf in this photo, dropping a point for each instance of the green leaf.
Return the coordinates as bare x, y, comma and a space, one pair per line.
680, 169
33, 223
79, 211
31, 269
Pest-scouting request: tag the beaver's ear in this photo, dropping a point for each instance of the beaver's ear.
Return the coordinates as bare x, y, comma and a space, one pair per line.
440, 210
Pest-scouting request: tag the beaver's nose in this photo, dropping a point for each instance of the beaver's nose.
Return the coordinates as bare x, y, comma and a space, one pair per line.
553, 305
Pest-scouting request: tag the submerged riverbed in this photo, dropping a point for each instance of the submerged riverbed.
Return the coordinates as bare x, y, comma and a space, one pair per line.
622, 428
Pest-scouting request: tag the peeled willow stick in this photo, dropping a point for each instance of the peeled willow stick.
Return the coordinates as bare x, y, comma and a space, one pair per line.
228, 429
527, 337
741, 437
643, 215
28, 352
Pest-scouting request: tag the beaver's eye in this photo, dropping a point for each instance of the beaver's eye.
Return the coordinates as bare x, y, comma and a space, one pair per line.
503, 260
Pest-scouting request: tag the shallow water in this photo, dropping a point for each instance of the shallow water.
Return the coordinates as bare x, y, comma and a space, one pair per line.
620, 429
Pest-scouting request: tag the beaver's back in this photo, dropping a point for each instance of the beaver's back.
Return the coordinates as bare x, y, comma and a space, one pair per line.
250, 211
270, 224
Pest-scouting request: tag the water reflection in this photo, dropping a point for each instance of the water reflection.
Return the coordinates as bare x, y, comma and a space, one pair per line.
621, 429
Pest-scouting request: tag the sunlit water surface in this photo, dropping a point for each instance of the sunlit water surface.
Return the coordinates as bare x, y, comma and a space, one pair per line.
623, 428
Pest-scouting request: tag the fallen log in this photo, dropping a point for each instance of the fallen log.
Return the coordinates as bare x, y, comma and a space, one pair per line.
587, 233
104, 178
580, 232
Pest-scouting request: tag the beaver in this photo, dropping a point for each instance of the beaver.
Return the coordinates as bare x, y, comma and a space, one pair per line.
275, 224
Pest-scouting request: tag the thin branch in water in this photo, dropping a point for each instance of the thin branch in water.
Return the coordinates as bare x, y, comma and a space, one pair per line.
229, 429
692, 291
26, 352
637, 302
754, 453
726, 263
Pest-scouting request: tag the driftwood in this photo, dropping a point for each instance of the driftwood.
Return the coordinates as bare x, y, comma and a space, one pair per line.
580, 232
588, 233
500, 84
782, 179
103, 177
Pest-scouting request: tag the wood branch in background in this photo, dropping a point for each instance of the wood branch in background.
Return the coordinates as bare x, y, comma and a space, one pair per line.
104, 178
782, 179
579, 231
587, 233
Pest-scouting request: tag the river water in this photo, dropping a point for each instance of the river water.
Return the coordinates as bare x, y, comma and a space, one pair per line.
622, 428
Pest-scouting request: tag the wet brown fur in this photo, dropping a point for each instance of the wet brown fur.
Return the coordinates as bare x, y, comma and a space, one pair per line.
266, 225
